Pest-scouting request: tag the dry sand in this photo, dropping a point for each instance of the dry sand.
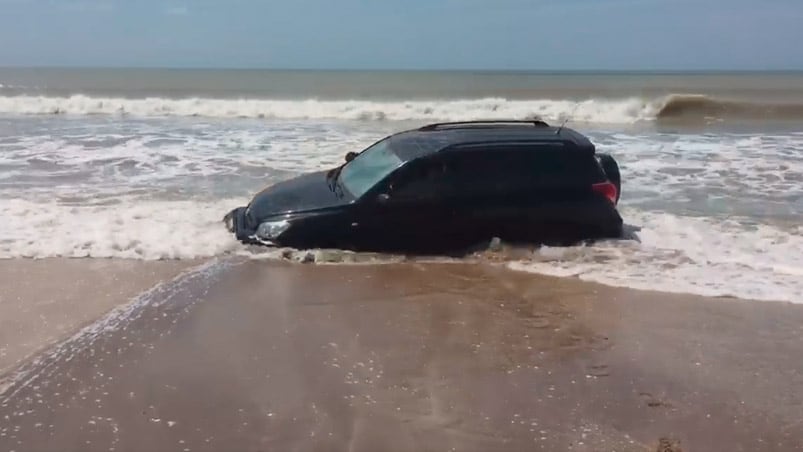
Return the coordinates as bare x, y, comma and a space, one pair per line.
417, 357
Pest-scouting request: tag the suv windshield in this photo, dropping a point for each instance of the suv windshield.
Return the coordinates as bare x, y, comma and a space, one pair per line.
368, 168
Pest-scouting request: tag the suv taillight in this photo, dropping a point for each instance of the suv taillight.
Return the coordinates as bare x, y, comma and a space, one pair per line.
606, 189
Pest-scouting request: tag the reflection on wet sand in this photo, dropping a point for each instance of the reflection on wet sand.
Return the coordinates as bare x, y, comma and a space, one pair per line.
270, 356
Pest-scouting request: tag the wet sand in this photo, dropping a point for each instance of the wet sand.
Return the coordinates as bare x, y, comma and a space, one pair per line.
416, 357
45, 301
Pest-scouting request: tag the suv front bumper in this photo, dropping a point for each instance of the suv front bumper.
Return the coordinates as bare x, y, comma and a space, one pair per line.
237, 223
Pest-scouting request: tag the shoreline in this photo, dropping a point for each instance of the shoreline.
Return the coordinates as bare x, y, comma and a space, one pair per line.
418, 356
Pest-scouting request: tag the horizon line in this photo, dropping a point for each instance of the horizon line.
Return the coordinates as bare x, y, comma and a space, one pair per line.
420, 70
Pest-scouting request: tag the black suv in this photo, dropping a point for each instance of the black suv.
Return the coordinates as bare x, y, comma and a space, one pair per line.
443, 188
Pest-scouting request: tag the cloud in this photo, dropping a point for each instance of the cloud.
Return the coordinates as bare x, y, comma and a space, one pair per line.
177, 11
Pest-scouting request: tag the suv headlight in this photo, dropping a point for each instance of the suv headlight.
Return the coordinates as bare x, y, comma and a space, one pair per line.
270, 230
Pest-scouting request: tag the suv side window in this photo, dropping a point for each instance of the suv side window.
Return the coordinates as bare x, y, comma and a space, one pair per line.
510, 169
466, 173
491, 171
495, 170
424, 180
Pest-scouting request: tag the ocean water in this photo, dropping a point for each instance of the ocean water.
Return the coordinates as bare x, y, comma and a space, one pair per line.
143, 164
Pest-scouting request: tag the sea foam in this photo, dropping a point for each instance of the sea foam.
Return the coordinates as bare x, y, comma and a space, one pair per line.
128, 229
712, 257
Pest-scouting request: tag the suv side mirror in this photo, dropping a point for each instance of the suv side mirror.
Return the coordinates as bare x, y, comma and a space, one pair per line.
350, 156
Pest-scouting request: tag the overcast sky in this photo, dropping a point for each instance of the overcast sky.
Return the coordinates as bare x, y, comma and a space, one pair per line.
405, 34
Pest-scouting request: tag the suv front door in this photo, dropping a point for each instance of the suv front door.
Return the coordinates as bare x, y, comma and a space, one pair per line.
409, 211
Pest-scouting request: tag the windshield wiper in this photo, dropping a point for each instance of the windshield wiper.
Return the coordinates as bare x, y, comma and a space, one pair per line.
333, 180
333, 175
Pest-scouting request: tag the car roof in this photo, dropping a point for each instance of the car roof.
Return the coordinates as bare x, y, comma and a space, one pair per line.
433, 138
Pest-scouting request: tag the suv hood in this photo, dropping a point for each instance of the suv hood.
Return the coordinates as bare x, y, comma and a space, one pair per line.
301, 194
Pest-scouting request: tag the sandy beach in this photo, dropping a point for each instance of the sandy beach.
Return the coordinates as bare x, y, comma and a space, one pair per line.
47, 300
259, 355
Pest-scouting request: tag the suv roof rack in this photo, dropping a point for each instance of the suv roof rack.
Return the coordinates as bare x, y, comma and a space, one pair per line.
469, 124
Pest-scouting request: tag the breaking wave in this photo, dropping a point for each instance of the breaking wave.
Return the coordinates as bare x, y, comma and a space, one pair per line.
603, 111
695, 107
675, 107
